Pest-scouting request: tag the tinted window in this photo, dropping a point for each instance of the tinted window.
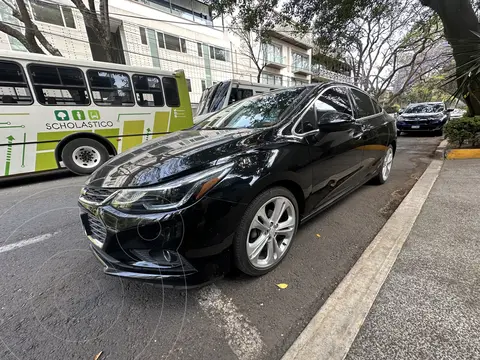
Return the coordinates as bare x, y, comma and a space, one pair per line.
59, 85
378, 108
257, 112
13, 85
110, 88
364, 104
336, 99
148, 90
171, 92
239, 94
332, 101
199, 49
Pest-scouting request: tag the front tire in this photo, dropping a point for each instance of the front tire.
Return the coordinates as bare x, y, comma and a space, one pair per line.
83, 156
266, 231
384, 173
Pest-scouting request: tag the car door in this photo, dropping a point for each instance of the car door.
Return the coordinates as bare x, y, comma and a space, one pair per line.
335, 142
376, 132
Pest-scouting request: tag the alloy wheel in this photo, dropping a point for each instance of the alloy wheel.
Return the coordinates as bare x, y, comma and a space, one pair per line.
387, 163
271, 232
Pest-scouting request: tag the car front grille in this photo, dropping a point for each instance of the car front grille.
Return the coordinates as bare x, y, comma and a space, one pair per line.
95, 228
95, 195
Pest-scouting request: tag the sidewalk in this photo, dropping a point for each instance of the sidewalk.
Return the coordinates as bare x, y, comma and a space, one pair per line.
429, 306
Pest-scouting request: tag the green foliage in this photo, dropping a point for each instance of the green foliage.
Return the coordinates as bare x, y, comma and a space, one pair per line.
463, 130
392, 109
428, 90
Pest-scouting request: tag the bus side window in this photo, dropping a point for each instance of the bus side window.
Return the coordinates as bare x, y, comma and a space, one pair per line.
110, 88
171, 91
148, 90
58, 85
13, 85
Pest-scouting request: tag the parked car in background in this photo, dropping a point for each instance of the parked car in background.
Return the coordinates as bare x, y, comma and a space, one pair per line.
430, 117
184, 208
226, 93
457, 113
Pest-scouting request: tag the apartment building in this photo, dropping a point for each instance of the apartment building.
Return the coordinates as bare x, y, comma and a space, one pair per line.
170, 35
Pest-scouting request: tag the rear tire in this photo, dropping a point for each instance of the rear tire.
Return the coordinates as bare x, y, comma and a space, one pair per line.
259, 226
385, 170
83, 156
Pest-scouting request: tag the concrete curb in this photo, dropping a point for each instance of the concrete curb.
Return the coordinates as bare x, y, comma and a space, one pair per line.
440, 153
332, 331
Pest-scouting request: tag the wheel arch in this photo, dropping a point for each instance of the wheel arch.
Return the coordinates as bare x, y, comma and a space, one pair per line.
102, 140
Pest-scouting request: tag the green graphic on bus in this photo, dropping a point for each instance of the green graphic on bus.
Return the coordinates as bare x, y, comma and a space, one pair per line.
61, 115
94, 114
78, 115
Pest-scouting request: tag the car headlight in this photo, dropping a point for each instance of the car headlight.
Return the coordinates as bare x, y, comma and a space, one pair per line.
172, 195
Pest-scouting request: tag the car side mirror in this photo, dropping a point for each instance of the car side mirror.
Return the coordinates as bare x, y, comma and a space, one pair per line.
400, 112
332, 121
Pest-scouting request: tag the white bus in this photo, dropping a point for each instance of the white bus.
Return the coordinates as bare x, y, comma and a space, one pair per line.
57, 112
225, 93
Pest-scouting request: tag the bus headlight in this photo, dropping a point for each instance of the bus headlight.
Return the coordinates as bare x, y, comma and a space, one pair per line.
172, 195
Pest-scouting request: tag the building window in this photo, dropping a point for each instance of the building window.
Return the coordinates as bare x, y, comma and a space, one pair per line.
300, 61
148, 90
272, 79
13, 85
110, 88
161, 41
68, 17
58, 85
200, 50
189, 85
204, 85
52, 13
218, 53
174, 43
274, 53
143, 36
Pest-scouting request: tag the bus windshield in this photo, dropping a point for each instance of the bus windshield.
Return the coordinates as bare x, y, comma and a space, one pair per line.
213, 98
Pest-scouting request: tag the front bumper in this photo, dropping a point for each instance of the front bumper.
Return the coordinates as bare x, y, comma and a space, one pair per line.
421, 125
181, 249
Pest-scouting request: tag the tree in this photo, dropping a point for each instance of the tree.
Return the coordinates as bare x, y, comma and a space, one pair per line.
99, 23
30, 34
253, 45
461, 30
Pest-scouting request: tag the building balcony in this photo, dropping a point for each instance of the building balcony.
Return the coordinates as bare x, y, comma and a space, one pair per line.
322, 74
275, 61
291, 36
302, 69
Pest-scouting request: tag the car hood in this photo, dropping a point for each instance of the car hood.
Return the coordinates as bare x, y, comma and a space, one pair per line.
422, 115
172, 156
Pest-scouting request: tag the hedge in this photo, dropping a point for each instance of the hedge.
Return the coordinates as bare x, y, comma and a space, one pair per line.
462, 131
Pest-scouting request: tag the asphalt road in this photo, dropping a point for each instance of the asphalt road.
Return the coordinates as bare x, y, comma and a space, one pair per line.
55, 302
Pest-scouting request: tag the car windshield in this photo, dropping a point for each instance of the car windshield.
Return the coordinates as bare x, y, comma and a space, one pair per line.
424, 108
256, 112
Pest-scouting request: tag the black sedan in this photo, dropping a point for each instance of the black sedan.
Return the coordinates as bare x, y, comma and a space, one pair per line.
184, 208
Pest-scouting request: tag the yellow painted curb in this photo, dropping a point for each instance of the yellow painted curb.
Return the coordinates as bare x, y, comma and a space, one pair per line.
457, 154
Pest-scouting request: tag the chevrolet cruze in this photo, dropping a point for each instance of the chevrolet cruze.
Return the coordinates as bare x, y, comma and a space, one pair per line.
184, 208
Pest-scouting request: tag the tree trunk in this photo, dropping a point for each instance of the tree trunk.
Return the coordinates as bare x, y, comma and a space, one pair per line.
459, 21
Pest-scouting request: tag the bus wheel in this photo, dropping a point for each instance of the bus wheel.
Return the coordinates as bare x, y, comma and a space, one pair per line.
83, 156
